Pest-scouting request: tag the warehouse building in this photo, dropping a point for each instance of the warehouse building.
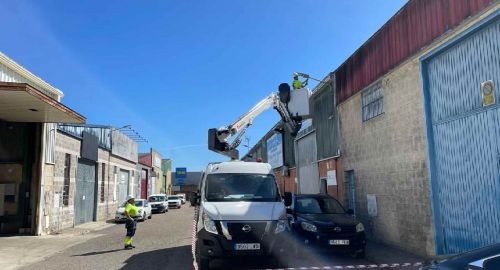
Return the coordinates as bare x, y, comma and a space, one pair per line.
414, 131
93, 172
28, 105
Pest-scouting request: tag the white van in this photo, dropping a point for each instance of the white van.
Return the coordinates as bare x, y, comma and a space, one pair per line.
241, 213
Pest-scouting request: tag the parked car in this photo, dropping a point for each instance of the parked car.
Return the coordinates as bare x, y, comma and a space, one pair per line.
144, 211
174, 201
320, 222
486, 258
182, 196
159, 203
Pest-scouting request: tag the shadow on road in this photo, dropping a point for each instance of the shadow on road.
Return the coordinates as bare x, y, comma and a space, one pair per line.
167, 258
97, 252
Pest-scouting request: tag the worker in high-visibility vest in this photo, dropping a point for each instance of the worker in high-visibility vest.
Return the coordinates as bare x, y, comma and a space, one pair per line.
297, 84
131, 212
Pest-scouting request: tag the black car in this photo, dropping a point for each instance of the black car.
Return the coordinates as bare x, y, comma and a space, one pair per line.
319, 221
486, 258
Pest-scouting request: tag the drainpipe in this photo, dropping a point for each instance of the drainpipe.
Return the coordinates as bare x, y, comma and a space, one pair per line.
41, 197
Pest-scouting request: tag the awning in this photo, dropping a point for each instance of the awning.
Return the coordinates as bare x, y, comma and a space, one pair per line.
20, 102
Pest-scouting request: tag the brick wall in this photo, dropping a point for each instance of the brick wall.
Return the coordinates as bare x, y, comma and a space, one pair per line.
60, 216
388, 156
289, 183
332, 164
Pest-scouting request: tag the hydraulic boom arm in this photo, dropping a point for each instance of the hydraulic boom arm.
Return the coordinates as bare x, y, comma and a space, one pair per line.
219, 139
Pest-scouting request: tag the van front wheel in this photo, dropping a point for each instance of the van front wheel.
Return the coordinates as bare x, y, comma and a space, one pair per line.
203, 264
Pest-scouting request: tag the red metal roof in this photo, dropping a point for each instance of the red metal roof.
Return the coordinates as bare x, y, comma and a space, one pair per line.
414, 26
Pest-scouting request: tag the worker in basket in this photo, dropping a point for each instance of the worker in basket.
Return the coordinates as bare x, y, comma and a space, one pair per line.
297, 84
131, 213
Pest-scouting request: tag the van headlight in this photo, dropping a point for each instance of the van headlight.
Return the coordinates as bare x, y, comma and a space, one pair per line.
360, 227
281, 226
306, 226
209, 224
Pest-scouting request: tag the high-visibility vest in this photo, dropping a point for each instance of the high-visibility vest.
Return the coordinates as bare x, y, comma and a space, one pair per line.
297, 84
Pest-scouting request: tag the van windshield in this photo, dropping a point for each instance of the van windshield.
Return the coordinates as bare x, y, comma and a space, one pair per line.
241, 187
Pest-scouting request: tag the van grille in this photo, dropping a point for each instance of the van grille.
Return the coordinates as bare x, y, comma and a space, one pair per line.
257, 232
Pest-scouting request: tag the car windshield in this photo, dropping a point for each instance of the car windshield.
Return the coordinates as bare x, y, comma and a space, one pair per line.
241, 187
139, 203
318, 205
156, 199
173, 197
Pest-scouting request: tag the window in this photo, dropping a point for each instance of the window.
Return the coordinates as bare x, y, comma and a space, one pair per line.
241, 187
103, 175
67, 181
372, 102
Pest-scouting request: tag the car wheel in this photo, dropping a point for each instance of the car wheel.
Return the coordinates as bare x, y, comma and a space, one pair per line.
150, 215
143, 217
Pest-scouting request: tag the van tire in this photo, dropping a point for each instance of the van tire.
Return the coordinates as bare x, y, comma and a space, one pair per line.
203, 264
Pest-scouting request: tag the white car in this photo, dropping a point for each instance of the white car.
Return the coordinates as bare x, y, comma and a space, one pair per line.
142, 205
159, 203
174, 201
182, 196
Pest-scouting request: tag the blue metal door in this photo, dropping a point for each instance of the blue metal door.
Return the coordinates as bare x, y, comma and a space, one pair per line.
464, 139
351, 190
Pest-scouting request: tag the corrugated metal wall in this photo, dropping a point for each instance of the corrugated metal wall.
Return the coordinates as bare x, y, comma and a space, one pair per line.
8, 75
416, 25
464, 142
325, 122
102, 133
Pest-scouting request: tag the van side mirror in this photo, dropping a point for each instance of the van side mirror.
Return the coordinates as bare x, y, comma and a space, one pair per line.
350, 212
194, 199
287, 199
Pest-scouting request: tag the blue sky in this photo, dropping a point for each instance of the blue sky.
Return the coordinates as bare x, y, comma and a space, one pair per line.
173, 69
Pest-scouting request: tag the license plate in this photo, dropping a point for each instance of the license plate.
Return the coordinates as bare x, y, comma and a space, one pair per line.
247, 246
339, 242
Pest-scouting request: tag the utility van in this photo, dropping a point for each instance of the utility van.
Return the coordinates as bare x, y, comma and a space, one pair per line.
241, 213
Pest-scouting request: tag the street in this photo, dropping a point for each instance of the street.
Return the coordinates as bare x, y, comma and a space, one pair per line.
164, 242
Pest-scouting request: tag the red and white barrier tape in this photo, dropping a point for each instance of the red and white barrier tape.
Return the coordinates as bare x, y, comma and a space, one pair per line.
358, 266
193, 237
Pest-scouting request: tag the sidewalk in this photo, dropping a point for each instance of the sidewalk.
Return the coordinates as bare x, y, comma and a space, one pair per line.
20, 251
384, 254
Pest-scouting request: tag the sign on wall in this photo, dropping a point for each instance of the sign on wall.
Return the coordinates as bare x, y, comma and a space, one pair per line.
275, 151
331, 178
372, 205
180, 175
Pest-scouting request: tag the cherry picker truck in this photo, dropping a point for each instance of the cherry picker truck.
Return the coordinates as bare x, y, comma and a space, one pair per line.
292, 106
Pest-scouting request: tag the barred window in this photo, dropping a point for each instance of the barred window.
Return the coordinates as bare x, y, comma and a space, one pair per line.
372, 102
67, 180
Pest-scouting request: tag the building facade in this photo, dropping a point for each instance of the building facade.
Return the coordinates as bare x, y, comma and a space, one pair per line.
28, 107
404, 132
153, 159
92, 174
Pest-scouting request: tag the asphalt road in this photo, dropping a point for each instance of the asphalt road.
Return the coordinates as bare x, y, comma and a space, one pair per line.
164, 242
